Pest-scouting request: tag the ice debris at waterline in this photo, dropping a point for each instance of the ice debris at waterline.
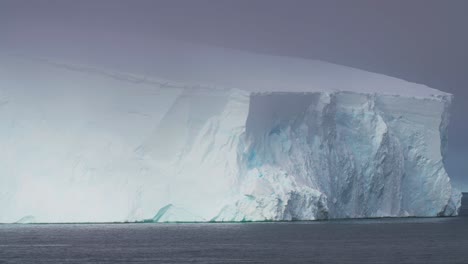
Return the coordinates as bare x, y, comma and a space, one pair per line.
325, 141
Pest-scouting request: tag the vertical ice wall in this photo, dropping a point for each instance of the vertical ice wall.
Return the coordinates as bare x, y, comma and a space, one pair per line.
339, 155
83, 145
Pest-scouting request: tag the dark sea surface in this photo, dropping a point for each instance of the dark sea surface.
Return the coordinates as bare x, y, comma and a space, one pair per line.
402, 240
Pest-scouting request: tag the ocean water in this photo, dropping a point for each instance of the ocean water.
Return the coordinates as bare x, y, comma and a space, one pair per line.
418, 240
410, 240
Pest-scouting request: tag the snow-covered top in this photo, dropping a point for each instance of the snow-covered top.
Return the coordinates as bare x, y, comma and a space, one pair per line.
195, 66
266, 73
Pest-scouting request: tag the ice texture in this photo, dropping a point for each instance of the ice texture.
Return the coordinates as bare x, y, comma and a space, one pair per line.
81, 144
171, 213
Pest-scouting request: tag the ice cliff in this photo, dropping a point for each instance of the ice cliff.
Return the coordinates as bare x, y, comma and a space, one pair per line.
270, 139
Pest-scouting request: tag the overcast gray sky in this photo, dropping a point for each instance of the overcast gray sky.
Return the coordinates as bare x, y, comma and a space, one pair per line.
423, 41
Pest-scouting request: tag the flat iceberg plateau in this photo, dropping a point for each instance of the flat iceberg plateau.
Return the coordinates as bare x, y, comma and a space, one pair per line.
315, 141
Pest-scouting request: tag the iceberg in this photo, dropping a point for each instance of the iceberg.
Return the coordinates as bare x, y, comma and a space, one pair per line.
262, 139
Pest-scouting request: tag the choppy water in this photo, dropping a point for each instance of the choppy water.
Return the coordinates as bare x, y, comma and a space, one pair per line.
413, 240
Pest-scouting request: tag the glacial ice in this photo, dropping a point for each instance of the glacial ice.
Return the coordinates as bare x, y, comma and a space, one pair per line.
172, 213
82, 144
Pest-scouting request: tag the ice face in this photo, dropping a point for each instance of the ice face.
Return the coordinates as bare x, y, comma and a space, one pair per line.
347, 154
82, 144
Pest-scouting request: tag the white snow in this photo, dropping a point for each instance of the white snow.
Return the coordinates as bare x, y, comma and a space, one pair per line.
200, 65
269, 138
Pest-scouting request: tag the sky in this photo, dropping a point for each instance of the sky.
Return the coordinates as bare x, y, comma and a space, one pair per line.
422, 41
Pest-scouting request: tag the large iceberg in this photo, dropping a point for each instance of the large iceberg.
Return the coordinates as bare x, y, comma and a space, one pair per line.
266, 138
